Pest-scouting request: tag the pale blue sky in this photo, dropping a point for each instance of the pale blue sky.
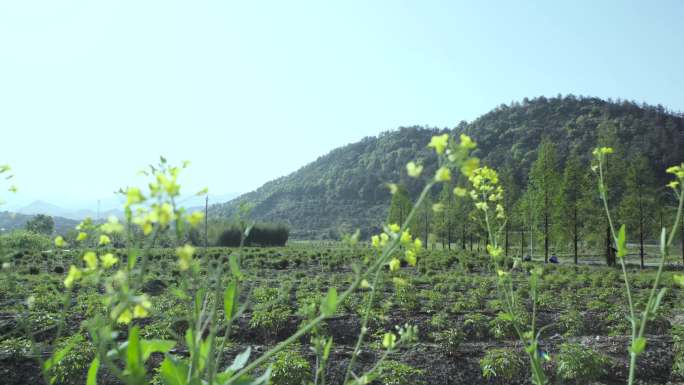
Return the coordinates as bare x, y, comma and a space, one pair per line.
90, 91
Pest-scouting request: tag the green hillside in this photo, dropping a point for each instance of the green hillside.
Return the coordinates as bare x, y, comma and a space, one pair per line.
345, 189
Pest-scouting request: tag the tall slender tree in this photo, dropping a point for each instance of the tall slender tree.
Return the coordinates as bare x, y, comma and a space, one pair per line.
571, 196
544, 184
638, 203
400, 206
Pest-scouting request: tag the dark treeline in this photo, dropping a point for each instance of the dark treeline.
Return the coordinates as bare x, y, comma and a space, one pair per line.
264, 234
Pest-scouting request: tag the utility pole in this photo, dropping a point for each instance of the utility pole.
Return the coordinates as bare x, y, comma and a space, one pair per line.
206, 223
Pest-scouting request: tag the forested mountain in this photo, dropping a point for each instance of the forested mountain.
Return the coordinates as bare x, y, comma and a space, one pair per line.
346, 189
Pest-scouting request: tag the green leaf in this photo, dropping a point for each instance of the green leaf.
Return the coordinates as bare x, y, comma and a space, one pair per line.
92, 371
329, 305
234, 267
134, 364
326, 349
60, 354
240, 360
505, 316
663, 241
133, 258
656, 303
155, 346
679, 279
229, 297
638, 345
173, 372
621, 241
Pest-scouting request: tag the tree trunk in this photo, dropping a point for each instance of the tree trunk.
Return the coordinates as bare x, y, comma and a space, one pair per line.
546, 238
610, 256
449, 233
641, 241
522, 242
463, 236
427, 227
506, 242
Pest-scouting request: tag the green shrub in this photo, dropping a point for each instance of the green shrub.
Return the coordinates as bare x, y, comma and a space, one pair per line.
578, 362
14, 348
290, 368
503, 363
397, 373
450, 340
678, 350
406, 298
270, 312
502, 328
475, 326
73, 367
571, 323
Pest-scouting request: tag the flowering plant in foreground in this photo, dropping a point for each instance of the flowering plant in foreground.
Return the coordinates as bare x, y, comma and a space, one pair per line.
213, 297
638, 321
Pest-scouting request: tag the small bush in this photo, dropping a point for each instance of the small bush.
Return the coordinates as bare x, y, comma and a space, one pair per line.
578, 362
397, 373
475, 326
450, 340
571, 323
73, 367
504, 363
290, 368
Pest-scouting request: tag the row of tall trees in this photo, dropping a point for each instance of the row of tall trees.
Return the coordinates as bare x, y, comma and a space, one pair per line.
556, 209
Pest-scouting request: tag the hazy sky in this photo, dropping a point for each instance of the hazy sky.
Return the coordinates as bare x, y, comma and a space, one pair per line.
91, 91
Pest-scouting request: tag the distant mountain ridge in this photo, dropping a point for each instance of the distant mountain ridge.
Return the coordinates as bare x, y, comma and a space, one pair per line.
11, 221
345, 189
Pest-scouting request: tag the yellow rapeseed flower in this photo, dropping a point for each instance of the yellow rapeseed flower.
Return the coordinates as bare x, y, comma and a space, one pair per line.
439, 143
405, 237
125, 317
90, 259
60, 242
494, 251
73, 276
467, 143
413, 169
185, 254
81, 236
195, 218
460, 192
389, 340
108, 260
394, 264
443, 174
133, 196
394, 228
112, 226
139, 312
410, 257
104, 240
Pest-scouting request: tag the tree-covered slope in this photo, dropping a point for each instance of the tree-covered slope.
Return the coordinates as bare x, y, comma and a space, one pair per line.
345, 189
510, 134
341, 191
